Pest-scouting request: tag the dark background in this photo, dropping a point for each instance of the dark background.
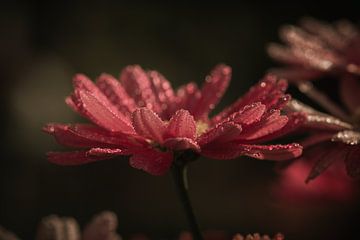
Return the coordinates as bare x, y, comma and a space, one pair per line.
43, 44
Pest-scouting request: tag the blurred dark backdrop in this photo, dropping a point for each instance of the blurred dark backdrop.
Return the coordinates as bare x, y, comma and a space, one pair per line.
42, 44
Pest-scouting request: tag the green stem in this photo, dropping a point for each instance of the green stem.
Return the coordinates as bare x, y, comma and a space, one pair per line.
180, 180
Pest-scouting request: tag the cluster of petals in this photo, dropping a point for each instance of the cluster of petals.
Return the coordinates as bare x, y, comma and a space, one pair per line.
316, 48
140, 115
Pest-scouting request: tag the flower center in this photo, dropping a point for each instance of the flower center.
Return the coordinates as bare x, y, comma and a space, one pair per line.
201, 127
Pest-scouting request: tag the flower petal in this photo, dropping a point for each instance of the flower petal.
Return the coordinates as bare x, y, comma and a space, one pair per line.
352, 161
106, 152
181, 124
212, 91
296, 74
101, 113
268, 125
222, 132
152, 161
181, 143
187, 97
138, 86
73, 158
148, 124
163, 92
269, 91
270, 152
349, 92
116, 93
249, 114
325, 155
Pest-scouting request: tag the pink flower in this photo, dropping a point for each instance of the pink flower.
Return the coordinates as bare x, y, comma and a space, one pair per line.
143, 117
316, 48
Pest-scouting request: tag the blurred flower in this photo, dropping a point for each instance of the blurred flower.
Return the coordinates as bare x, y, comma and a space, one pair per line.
102, 227
7, 235
142, 116
316, 48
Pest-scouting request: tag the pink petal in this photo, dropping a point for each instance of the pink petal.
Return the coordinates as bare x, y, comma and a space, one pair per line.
148, 124
268, 125
138, 86
349, 92
163, 92
295, 121
67, 136
268, 91
270, 152
152, 161
317, 137
352, 161
101, 113
249, 114
116, 93
222, 132
212, 91
73, 158
181, 143
187, 97
182, 124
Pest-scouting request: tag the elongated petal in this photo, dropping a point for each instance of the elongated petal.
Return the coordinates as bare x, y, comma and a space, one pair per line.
268, 91
212, 91
102, 114
182, 124
116, 93
73, 158
138, 86
269, 152
187, 97
349, 92
325, 155
249, 114
296, 74
163, 92
181, 143
222, 132
268, 125
152, 161
352, 161
148, 124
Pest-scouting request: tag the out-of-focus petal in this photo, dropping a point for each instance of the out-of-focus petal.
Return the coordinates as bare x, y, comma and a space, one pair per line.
138, 86
152, 161
352, 161
325, 156
349, 92
101, 113
73, 158
181, 143
182, 124
296, 74
187, 97
269, 152
148, 124
116, 93
163, 92
222, 132
212, 91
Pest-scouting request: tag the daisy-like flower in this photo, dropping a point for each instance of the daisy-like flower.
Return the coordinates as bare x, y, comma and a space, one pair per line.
317, 48
143, 117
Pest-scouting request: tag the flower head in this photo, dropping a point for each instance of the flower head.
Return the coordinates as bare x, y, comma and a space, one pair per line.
143, 117
316, 48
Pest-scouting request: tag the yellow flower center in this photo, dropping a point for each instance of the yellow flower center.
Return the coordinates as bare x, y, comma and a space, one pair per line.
201, 127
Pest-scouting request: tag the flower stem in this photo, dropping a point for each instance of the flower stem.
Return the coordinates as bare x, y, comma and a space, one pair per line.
180, 179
